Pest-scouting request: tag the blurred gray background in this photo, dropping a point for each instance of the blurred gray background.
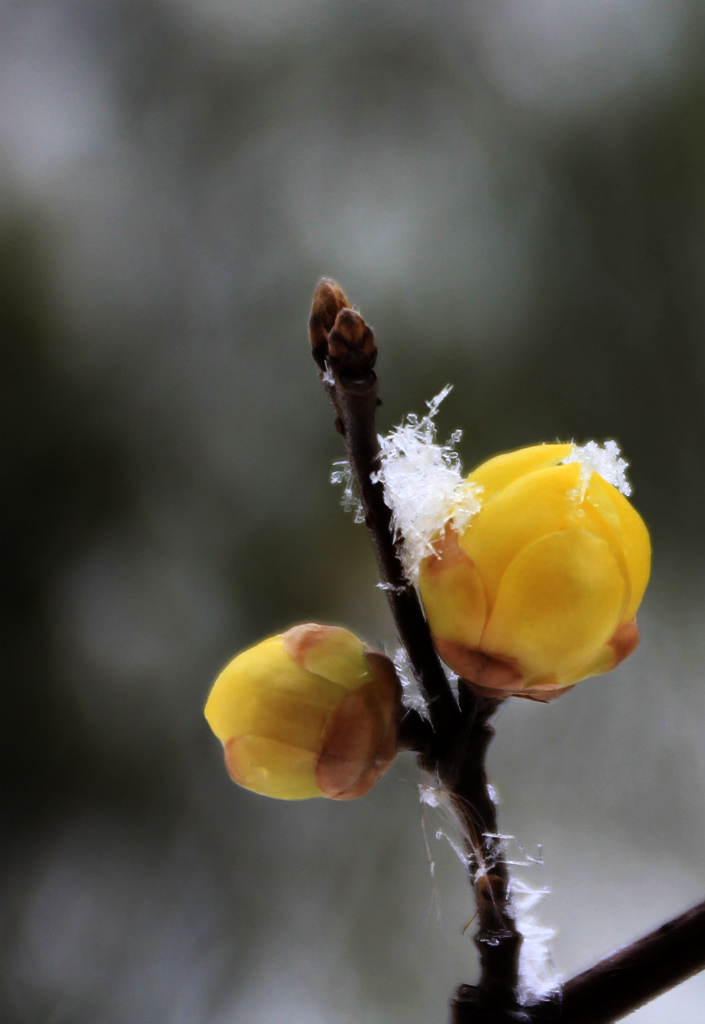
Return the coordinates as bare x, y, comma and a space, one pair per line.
513, 192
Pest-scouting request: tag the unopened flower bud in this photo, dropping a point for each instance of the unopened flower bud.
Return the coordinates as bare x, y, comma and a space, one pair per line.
311, 712
351, 343
328, 300
540, 589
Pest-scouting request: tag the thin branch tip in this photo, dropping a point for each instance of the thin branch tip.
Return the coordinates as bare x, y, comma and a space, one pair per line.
452, 747
340, 339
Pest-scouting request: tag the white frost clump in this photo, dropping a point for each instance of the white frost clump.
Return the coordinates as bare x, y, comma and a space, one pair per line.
538, 977
606, 461
430, 795
410, 696
424, 485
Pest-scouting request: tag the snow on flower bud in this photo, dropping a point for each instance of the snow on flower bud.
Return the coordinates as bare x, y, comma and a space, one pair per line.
311, 712
540, 588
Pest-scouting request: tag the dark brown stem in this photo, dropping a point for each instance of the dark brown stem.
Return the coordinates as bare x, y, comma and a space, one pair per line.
416, 733
632, 976
357, 416
456, 751
351, 384
462, 770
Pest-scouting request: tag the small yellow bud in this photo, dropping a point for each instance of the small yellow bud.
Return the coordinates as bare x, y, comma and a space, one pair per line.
541, 588
309, 713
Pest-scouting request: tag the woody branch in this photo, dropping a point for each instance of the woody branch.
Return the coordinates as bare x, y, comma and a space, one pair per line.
345, 350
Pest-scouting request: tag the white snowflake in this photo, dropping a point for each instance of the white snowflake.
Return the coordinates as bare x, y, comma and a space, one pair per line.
424, 485
605, 460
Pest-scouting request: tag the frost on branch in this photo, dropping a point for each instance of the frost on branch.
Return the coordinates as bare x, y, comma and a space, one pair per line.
538, 977
605, 460
342, 474
410, 696
423, 484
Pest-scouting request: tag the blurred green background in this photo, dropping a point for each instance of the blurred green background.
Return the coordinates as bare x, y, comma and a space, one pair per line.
513, 192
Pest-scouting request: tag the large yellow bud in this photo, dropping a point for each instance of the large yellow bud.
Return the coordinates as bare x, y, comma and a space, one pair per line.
309, 713
541, 587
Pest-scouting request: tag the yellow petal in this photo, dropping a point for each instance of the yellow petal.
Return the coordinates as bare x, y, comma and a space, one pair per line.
452, 593
558, 602
264, 692
271, 768
600, 519
529, 508
497, 473
624, 641
329, 651
603, 661
633, 535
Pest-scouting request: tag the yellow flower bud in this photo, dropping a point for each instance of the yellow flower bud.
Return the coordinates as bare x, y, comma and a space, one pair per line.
309, 713
540, 589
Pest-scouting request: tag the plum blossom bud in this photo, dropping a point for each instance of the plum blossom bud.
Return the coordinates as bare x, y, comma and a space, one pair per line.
311, 712
541, 587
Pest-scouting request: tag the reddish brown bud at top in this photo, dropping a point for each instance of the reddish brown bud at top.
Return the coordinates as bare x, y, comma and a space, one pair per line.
328, 300
338, 334
351, 344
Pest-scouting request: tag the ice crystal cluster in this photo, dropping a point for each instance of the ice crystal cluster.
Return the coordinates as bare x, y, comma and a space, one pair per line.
423, 484
538, 977
605, 460
411, 697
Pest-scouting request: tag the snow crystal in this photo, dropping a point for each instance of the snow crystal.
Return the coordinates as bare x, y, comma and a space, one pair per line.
342, 474
424, 485
429, 794
538, 977
410, 695
605, 460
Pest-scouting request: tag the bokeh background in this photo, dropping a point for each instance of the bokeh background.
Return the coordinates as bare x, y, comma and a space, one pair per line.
514, 193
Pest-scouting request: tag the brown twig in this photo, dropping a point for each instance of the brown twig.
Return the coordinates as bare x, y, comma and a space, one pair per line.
498, 939
637, 973
453, 748
344, 348
416, 733
348, 360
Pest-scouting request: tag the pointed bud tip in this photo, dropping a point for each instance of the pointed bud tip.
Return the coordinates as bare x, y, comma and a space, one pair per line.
338, 332
328, 300
299, 640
